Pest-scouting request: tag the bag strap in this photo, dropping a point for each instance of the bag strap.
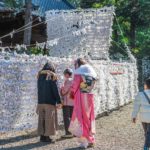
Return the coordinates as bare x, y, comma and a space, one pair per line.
148, 99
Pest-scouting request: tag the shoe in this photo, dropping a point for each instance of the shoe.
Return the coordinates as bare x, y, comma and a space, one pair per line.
42, 138
47, 139
83, 146
67, 136
91, 145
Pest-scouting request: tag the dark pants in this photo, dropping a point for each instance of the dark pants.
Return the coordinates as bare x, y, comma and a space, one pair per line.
67, 114
146, 127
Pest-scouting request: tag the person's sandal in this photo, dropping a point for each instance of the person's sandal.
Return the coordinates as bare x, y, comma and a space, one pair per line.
91, 145
82, 146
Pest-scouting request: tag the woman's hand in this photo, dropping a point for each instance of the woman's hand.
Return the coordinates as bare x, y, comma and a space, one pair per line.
134, 120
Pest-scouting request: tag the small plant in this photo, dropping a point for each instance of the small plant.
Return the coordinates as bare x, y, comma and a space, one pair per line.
35, 50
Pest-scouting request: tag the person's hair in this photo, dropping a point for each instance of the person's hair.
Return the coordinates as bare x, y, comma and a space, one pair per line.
80, 61
68, 71
147, 83
49, 66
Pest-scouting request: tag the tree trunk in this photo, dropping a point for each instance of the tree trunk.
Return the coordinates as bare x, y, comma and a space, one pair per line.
28, 19
134, 20
116, 35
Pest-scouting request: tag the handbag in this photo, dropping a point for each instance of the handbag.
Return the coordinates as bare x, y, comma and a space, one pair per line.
148, 99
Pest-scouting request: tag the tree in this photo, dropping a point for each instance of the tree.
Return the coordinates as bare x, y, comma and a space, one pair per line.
134, 19
87, 3
143, 30
75, 3
28, 19
14, 3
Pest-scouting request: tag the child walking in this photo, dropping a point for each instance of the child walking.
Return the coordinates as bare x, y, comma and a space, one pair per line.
67, 102
142, 105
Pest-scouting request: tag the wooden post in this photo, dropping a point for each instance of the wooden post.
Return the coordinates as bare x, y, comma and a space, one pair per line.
28, 19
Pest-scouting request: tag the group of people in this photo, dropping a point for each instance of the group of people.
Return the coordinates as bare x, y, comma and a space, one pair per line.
76, 99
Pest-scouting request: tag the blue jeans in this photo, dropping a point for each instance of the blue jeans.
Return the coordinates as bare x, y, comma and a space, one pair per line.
146, 148
146, 127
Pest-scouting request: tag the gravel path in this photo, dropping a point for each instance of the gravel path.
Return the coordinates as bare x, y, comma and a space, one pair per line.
114, 132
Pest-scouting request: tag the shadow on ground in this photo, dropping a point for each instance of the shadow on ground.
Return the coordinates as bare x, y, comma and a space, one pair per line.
16, 139
26, 147
75, 148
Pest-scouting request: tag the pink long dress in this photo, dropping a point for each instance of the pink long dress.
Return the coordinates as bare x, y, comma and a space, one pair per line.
83, 118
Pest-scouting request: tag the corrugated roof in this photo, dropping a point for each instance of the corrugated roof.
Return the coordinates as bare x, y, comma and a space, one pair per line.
45, 5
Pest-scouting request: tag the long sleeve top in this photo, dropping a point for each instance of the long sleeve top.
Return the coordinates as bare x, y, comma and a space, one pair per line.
48, 91
142, 106
65, 92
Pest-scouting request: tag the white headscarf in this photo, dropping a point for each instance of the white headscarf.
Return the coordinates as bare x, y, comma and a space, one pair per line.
86, 70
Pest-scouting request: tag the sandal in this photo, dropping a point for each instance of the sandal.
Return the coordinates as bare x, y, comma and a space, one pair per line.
91, 145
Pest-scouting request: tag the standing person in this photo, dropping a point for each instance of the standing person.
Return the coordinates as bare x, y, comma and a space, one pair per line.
48, 100
142, 105
83, 120
67, 101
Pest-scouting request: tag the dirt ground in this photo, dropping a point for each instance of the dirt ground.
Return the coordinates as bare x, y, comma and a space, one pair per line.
114, 132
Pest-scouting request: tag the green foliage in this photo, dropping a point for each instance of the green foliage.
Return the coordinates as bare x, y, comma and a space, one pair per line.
144, 14
76, 3
134, 19
97, 5
35, 50
14, 3
87, 3
142, 42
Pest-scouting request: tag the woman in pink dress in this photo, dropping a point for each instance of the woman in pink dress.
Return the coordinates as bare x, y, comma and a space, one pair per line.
83, 119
